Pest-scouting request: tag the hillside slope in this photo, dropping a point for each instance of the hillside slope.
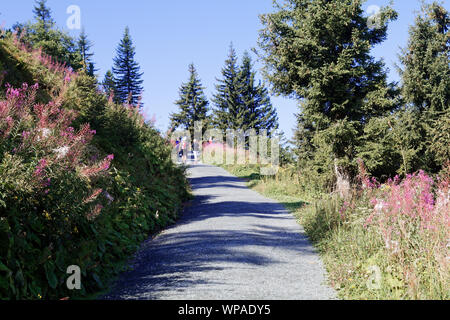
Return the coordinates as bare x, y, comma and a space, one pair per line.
82, 180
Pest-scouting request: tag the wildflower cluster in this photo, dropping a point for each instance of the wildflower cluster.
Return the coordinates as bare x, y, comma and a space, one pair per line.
412, 219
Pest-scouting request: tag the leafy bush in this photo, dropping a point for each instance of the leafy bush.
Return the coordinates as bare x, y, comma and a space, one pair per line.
73, 193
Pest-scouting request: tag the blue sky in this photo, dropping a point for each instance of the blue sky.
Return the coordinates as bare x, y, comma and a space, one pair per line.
170, 34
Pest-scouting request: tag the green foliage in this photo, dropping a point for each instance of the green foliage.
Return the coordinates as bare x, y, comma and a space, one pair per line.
426, 74
42, 233
319, 52
193, 104
83, 97
228, 113
259, 113
108, 83
426, 78
127, 76
416, 136
84, 46
240, 103
43, 14
42, 34
440, 138
352, 243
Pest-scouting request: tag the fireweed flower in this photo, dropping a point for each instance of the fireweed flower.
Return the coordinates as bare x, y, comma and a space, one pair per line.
93, 196
26, 135
40, 167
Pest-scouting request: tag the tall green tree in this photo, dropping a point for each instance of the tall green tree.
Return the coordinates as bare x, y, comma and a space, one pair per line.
229, 112
259, 114
127, 75
426, 84
192, 104
84, 48
42, 13
319, 52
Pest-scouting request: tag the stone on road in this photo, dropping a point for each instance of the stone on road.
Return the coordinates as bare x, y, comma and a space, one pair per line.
231, 243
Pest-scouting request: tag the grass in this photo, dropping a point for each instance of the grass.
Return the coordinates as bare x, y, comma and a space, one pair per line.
358, 263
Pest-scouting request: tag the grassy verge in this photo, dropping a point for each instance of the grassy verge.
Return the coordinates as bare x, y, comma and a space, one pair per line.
387, 258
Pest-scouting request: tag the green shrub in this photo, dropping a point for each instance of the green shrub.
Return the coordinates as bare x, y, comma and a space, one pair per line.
63, 200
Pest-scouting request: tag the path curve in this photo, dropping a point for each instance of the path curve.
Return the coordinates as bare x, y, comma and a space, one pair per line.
231, 243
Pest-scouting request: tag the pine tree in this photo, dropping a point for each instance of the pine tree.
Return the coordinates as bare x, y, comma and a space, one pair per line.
84, 47
43, 14
417, 136
258, 111
319, 52
192, 103
127, 75
91, 69
108, 83
426, 74
426, 83
229, 112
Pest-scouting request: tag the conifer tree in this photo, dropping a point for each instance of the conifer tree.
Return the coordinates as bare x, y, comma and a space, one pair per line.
229, 112
319, 52
258, 111
43, 14
84, 48
193, 104
108, 83
127, 76
426, 84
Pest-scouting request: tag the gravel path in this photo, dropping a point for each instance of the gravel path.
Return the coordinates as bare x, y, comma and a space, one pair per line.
231, 243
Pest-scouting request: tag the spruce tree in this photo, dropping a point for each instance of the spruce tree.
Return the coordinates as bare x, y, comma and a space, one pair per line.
229, 112
426, 84
108, 83
258, 111
426, 74
43, 14
127, 76
84, 48
193, 104
319, 52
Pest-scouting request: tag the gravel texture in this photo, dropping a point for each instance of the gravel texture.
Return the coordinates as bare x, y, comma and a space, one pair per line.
231, 243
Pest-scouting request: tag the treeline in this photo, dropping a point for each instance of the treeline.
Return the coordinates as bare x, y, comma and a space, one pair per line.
83, 178
319, 52
240, 102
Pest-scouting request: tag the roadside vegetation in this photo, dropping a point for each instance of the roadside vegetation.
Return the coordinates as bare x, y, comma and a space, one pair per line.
382, 241
368, 177
83, 179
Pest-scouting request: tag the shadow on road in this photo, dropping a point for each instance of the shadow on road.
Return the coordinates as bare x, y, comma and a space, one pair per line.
207, 239
174, 260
